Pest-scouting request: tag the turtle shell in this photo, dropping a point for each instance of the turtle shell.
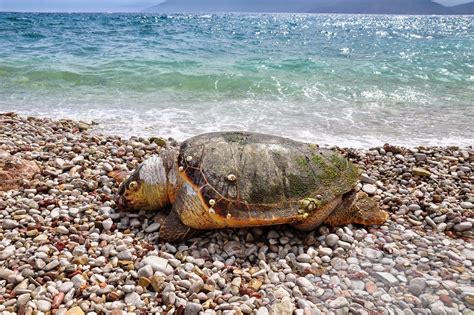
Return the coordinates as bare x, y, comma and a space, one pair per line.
262, 178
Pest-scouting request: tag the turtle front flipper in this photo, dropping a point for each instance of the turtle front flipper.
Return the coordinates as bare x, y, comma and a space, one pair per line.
173, 230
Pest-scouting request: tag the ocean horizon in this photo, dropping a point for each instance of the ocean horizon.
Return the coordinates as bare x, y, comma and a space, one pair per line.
347, 80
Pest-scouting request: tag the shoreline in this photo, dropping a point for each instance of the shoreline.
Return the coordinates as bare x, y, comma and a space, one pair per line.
99, 128
63, 247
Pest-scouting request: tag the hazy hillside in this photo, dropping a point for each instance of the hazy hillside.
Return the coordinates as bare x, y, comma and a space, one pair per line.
380, 7
313, 6
234, 6
466, 8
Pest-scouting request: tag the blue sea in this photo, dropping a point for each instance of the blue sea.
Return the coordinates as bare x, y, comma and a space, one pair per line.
348, 80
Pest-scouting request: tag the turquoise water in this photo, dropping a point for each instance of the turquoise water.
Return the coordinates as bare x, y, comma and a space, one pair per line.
332, 79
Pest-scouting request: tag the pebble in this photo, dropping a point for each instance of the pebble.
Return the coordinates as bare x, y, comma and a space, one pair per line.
152, 228
339, 263
262, 311
285, 306
157, 283
107, 224
325, 251
463, 226
76, 310
65, 286
7, 252
417, 286
43, 305
373, 254
420, 157
431, 222
78, 159
304, 283
52, 265
107, 167
145, 271
158, 264
387, 278
437, 308
331, 240
421, 172
192, 309
6, 273
125, 255
441, 227
134, 299
9, 224
280, 293
304, 258
428, 299
58, 299
467, 205
62, 230
468, 253
23, 299
364, 178
357, 285
338, 303
369, 189
78, 281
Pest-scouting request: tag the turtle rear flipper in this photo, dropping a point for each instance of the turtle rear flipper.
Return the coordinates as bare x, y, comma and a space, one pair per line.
363, 210
173, 230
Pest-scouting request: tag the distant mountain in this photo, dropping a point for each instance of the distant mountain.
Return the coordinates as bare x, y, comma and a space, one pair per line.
233, 6
380, 7
466, 8
313, 6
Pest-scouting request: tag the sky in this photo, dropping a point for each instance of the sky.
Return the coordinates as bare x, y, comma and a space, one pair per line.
76, 5
102, 5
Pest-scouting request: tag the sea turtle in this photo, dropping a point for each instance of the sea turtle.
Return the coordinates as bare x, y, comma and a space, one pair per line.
242, 179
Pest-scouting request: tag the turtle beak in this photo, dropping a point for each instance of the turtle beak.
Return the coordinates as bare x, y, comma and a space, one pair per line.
120, 202
119, 198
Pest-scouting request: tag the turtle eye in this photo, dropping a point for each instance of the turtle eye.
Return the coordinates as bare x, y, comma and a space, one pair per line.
133, 185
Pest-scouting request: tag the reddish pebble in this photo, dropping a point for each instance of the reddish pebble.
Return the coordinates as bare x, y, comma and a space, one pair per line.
345, 293
58, 300
446, 299
76, 272
21, 310
59, 246
370, 287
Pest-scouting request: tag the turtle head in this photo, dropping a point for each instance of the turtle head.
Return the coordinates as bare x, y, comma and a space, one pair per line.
146, 188
367, 212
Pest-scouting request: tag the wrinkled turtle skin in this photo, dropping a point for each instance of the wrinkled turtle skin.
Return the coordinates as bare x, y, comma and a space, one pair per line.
241, 179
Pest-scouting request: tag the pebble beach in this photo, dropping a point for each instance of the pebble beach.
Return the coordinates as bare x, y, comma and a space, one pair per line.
65, 249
